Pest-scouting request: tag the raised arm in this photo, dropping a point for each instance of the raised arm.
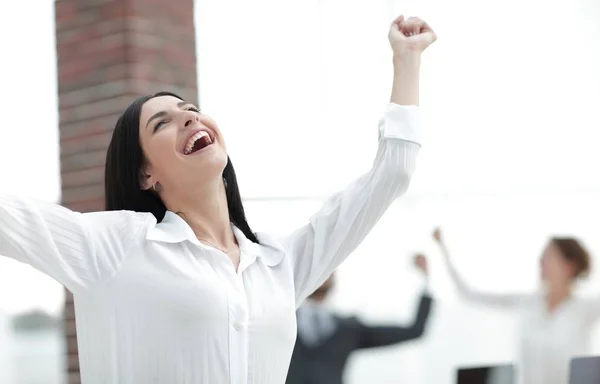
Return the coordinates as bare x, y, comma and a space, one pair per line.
78, 250
499, 300
379, 336
346, 218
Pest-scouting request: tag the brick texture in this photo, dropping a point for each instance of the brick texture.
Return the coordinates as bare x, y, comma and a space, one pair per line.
108, 53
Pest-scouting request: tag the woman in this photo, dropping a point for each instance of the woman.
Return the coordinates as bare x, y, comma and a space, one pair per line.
554, 324
171, 285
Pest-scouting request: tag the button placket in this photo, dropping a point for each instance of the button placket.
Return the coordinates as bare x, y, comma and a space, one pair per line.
238, 332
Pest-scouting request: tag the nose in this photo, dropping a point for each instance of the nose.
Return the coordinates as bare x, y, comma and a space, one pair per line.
189, 117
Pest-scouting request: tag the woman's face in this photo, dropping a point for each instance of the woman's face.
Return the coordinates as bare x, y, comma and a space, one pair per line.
182, 146
555, 268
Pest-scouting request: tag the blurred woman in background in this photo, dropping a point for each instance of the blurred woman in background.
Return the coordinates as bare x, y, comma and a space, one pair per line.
554, 324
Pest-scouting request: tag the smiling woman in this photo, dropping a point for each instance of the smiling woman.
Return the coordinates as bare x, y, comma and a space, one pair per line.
128, 168
171, 285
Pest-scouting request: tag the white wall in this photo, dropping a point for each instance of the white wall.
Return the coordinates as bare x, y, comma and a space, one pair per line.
38, 357
510, 99
6, 349
29, 150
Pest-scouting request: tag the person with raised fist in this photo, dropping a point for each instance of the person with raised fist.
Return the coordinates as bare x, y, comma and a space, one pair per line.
327, 340
171, 285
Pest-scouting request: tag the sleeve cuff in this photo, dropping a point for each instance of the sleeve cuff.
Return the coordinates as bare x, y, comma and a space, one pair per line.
401, 122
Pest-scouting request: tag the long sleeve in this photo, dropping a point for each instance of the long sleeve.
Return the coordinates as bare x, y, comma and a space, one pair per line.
493, 299
347, 217
379, 336
78, 250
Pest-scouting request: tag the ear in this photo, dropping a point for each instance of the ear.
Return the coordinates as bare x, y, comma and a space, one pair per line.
146, 180
575, 270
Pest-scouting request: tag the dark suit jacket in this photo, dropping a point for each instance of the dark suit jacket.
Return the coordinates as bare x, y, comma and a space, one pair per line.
325, 363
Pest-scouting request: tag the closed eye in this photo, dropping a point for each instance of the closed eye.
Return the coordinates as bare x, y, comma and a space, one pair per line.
158, 125
163, 122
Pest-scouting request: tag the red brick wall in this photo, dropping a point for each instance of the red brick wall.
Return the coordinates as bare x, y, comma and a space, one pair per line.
109, 52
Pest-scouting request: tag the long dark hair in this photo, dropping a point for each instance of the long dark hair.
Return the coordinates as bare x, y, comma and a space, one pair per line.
125, 161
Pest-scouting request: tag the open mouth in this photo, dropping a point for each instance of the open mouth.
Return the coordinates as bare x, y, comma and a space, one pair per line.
197, 142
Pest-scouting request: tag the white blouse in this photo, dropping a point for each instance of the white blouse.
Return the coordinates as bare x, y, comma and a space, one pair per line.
154, 305
547, 340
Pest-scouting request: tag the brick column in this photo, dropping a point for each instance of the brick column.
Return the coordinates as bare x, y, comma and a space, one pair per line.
109, 52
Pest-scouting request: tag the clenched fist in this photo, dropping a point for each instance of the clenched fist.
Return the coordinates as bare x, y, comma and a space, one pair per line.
410, 35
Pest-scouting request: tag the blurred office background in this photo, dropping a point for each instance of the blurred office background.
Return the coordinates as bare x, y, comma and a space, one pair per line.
510, 93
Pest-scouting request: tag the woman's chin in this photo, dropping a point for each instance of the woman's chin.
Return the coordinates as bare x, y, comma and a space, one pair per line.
213, 164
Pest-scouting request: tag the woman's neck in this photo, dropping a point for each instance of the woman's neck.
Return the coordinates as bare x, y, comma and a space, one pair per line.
556, 295
208, 216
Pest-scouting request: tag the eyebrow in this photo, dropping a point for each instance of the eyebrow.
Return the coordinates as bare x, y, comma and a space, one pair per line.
163, 113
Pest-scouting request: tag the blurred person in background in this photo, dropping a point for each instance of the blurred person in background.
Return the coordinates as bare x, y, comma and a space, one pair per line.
326, 340
554, 324
171, 285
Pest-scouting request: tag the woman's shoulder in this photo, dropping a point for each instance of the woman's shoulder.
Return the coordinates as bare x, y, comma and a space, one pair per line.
585, 301
118, 216
123, 223
272, 248
269, 240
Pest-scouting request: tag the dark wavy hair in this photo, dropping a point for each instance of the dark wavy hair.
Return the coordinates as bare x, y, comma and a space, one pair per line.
125, 161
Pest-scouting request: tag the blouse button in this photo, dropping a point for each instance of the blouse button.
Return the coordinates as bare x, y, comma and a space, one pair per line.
238, 326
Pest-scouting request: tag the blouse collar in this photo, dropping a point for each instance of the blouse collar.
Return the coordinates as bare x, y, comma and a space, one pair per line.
174, 229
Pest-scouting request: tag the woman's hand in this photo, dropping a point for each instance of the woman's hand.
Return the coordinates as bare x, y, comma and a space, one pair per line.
410, 36
437, 235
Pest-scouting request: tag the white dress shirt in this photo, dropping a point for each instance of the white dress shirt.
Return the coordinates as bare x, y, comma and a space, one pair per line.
156, 306
547, 341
